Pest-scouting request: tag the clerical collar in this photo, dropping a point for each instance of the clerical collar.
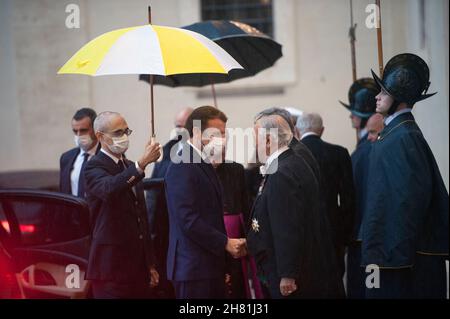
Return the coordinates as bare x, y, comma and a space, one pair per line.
308, 134
115, 159
390, 118
264, 169
363, 132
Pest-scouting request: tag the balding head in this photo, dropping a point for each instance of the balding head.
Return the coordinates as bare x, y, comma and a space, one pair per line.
310, 122
182, 116
374, 126
105, 120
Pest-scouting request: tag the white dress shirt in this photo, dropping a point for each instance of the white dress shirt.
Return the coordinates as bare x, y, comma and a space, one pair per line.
76, 169
264, 169
390, 118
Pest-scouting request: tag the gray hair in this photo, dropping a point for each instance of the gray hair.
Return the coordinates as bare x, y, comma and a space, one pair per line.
309, 122
277, 111
269, 122
102, 121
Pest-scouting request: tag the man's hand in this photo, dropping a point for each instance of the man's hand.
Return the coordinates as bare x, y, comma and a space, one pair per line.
154, 277
151, 154
237, 247
287, 286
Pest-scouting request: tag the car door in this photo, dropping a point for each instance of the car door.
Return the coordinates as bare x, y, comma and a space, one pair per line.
44, 243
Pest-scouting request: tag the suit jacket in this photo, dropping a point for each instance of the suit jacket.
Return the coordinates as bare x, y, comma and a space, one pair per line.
407, 204
65, 168
197, 236
337, 186
121, 246
289, 236
301, 150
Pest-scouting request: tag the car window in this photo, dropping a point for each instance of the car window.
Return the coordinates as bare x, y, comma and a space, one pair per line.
44, 221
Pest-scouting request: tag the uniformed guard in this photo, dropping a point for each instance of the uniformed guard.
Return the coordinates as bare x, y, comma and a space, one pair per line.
361, 96
405, 225
362, 104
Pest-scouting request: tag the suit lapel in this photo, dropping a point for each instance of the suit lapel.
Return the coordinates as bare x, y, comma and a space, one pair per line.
206, 168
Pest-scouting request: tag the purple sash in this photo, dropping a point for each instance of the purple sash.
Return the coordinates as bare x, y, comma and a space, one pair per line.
234, 225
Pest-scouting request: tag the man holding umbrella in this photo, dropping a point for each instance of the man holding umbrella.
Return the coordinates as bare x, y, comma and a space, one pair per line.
121, 257
405, 225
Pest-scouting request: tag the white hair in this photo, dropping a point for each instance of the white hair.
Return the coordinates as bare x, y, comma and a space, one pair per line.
270, 122
294, 111
103, 120
309, 122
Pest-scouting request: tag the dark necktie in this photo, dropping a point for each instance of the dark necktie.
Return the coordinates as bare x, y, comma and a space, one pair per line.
81, 186
121, 165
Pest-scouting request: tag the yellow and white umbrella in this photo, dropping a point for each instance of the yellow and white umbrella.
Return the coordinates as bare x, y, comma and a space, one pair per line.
150, 49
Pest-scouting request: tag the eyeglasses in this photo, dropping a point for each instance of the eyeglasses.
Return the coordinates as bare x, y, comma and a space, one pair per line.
119, 133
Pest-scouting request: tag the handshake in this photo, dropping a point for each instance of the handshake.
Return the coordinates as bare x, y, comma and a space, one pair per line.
237, 247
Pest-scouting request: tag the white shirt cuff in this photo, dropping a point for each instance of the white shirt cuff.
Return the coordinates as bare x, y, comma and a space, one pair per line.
138, 168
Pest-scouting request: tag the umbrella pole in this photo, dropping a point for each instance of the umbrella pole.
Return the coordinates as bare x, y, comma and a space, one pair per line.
214, 94
152, 104
379, 38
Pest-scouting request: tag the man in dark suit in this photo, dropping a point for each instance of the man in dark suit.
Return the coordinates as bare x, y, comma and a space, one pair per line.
169, 149
72, 162
120, 258
198, 241
297, 146
289, 235
337, 182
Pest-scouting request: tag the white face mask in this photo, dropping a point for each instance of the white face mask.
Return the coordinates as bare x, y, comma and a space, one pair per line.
214, 150
120, 144
83, 141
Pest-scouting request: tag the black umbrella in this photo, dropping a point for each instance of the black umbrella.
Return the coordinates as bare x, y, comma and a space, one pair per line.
251, 48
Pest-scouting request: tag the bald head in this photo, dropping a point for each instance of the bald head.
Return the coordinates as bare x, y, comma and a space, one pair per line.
182, 116
108, 121
374, 126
